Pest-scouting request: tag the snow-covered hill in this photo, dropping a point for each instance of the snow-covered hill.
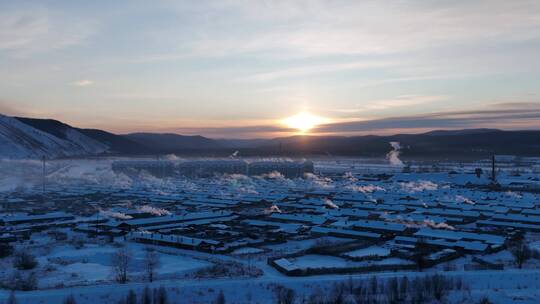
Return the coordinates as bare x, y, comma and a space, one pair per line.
19, 140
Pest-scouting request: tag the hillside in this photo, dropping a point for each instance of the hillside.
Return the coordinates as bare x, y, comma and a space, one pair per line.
34, 138
172, 143
21, 140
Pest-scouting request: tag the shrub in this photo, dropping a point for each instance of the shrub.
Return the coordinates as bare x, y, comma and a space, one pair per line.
5, 250
12, 299
70, 300
521, 253
284, 295
220, 298
120, 263
25, 282
131, 297
484, 300
24, 260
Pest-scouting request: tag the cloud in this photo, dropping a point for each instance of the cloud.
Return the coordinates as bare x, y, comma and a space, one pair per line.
511, 116
502, 115
399, 101
82, 83
303, 71
316, 29
236, 131
31, 29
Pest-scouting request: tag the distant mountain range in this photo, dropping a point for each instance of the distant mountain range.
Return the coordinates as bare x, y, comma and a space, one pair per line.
33, 138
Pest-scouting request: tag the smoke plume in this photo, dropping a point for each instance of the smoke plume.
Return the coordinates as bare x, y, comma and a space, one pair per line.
393, 156
153, 210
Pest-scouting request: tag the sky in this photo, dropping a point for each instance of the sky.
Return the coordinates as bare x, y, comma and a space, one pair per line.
239, 69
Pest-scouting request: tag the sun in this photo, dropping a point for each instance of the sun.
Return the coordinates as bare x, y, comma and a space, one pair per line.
303, 121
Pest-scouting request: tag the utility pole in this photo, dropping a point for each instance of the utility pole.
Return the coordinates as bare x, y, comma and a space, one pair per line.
97, 223
43, 173
493, 174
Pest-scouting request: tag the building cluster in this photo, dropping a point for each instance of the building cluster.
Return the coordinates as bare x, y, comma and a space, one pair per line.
360, 223
207, 168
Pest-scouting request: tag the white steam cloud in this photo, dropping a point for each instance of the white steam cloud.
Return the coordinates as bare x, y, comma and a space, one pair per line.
153, 210
272, 209
432, 224
463, 199
393, 156
115, 215
421, 185
365, 188
329, 204
409, 222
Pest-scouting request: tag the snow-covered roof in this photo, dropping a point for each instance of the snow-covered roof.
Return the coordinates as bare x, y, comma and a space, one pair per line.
353, 233
286, 264
375, 225
35, 217
176, 218
303, 218
460, 235
173, 239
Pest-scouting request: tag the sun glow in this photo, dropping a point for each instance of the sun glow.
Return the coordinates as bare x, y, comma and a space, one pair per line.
303, 121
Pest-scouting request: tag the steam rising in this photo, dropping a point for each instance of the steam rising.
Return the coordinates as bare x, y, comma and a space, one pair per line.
419, 186
393, 156
432, 224
365, 188
463, 199
272, 209
115, 215
318, 182
153, 210
409, 222
329, 204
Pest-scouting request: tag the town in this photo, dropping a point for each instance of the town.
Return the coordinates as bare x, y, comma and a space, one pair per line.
85, 223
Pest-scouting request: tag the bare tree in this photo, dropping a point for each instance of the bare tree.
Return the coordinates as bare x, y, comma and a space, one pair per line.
146, 296
403, 287
284, 295
160, 297
131, 297
417, 291
25, 281
5, 250
151, 262
484, 300
521, 252
373, 285
120, 263
24, 260
439, 286
12, 299
317, 296
392, 290
220, 299
70, 300
421, 250
337, 293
